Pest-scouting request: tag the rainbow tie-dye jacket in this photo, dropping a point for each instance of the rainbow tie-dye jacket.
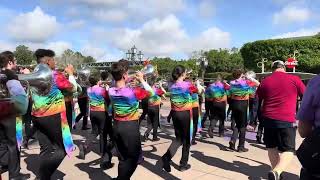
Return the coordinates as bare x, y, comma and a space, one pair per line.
97, 98
240, 89
155, 100
181, 95
125, 102
217, 92
53, 103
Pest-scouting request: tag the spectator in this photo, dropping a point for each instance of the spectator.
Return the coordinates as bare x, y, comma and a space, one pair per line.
278, 95
309, 122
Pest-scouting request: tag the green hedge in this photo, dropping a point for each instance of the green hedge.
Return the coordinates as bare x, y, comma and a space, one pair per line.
224, 75
280, 49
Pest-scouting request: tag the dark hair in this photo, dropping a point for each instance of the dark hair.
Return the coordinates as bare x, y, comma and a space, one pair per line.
177, 72
93, 79
5, 58
118, 69
236, 74
40, 53
104, 75
152, 80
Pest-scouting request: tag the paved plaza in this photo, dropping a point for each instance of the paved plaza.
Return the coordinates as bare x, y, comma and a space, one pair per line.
210, 159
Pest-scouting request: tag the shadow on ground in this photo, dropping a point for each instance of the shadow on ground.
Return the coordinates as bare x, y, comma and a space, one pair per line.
253, 172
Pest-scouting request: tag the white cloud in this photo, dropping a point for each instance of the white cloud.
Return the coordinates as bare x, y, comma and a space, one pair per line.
298, 33
35, 26
206, 8
77, 24
6, 46
291, 14
59, 47
163, 37
100, 2
98, 53
212, 38
113, 15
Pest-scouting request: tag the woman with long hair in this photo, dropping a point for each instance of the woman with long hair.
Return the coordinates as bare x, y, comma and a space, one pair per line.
181, 108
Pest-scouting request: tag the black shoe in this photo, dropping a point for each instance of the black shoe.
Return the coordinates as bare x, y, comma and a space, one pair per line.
82, 152
145, 136
21, 177
3, 169
166, 164
232, 146
184, 167
25, 143
155, 139
106, 165
273, 175
242, 149
259, 141
210, 133
85, 128
193, 142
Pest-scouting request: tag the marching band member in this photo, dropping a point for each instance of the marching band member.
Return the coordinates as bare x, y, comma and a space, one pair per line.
181, 105
240, 89
207, 105
154, 110
98, 117
83, 106
10, 128
125, 104
196, 113
217, 93
50, 119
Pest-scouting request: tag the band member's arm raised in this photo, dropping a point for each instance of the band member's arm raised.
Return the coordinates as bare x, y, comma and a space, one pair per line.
62, 82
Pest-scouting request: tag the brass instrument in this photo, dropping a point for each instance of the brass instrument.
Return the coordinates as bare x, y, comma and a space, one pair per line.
147, 71
40, 81
83, 76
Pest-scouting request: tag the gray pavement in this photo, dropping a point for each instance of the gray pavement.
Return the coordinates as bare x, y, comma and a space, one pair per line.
210, 159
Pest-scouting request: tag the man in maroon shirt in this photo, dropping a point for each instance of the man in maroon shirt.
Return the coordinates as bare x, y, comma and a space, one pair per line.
278, 94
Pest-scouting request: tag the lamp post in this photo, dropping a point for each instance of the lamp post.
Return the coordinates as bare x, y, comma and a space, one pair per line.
133, 54
203, 62
261, 64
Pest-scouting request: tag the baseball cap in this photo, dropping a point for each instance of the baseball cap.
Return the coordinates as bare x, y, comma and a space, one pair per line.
277, 63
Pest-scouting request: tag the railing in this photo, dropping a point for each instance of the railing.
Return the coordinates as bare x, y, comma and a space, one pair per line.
109, 64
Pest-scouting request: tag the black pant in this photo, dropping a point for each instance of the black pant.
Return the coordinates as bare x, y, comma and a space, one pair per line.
218, 113
69, 110
305, 175
195, 114
99, 126
9, 153
128, 144
27, 119
207, 105
239, 113
253, 103
52, 150
181, 123
83, 105
153, 117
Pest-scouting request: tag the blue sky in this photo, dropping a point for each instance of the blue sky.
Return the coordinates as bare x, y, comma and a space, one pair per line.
106, 28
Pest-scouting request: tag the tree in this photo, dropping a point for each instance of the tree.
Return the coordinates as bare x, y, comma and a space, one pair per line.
74, 58
280, 49
23, 55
